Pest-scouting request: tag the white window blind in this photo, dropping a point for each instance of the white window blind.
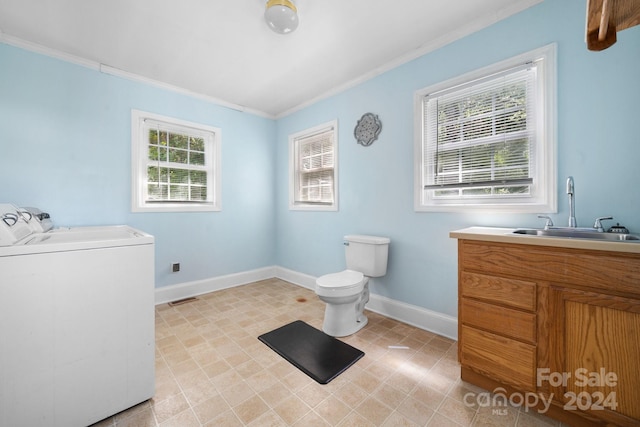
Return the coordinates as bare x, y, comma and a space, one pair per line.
481, 136
313, 168
486, 140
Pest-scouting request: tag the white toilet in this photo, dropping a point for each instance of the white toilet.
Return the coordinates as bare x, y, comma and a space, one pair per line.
347, 292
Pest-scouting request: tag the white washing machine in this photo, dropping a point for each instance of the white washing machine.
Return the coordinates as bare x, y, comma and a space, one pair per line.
76, 323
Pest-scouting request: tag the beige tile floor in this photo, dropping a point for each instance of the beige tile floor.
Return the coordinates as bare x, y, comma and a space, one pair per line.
211, 370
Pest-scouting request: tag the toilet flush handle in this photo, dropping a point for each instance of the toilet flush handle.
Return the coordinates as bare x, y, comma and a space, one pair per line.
345, 243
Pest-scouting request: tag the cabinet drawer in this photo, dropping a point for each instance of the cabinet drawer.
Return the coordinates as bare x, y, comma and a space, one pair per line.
601, 270
500, 358
510, 292
503, 321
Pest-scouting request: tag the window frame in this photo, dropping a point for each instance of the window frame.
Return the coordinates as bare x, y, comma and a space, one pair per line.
544, 198
140, 162
294, 173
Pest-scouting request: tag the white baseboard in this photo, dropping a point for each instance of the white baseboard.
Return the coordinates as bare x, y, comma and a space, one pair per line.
439, 323
199, 287
433, 321
296, 278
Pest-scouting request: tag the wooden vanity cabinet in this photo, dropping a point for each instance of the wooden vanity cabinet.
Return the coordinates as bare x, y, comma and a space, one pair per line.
530, 314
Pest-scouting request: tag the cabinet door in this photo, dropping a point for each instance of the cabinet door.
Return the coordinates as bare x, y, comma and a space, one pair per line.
596, 344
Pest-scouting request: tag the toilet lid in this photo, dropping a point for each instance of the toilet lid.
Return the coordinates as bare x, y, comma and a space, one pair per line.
344, 279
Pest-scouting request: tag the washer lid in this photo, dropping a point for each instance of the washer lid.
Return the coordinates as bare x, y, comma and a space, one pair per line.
344, 279
79, 238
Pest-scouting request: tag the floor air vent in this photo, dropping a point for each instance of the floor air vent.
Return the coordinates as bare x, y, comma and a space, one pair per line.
183, 301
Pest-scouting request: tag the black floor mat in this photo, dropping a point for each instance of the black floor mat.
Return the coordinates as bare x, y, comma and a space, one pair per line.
315, 353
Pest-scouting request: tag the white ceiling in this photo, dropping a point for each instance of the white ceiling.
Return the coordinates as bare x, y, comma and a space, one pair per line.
222, 49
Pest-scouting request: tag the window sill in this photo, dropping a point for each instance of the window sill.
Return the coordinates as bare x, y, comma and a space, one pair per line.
319, 208
490, 208
177, 207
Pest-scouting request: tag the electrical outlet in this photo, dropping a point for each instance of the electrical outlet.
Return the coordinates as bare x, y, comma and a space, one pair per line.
175, 267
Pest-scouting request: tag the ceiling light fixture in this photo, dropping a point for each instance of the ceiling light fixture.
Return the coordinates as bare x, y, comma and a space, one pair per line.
281, 16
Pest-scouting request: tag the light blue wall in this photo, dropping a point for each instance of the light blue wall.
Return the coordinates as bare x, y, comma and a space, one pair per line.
598, 143
65, 147
65, 138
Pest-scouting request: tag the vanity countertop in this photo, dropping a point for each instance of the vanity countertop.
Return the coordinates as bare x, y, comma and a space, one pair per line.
505, 235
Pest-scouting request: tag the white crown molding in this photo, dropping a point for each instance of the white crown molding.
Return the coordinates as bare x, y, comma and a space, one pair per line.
43, 50
446, 39
464, 31
106, 69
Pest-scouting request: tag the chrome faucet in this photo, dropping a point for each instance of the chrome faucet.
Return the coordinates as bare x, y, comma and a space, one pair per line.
572, 200
548, 223
598, 224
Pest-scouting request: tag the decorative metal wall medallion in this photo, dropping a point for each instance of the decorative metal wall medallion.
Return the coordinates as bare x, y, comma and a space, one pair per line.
367, 129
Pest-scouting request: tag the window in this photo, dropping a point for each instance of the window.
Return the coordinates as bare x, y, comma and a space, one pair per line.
313, 168
175, 164
486, 140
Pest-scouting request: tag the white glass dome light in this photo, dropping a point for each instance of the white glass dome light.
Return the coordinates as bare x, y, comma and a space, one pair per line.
281, 16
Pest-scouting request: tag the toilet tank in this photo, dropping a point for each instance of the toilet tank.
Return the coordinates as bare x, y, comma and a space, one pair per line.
367, 254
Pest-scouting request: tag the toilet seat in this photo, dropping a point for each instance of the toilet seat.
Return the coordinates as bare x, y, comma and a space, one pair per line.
344, 283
